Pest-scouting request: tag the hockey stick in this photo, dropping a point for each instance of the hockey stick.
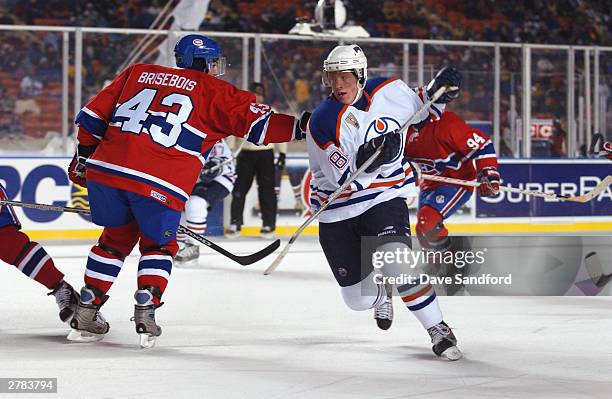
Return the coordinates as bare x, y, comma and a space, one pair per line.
244, 260
350, 179
598, 189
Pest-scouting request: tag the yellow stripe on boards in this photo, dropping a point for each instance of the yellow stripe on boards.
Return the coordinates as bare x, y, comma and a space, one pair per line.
453, 228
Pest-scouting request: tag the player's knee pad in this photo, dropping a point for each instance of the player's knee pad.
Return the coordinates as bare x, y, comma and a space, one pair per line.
363, 295
19, 244
430, 229
149, 247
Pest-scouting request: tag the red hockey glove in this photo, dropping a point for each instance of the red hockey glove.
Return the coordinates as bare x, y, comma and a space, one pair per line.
76, 169
489, 182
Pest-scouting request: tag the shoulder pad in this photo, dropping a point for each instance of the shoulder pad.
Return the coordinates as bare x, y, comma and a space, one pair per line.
373, 83
324, 122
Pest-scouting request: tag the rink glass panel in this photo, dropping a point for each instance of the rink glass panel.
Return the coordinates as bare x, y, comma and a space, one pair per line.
549, 86
476, 64
105, 56
30, 88
605, 94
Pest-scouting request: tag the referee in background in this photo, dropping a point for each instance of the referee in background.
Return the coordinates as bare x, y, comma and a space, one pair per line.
255, 162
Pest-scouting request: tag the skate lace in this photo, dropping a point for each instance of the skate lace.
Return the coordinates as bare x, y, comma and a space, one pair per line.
99, 318
63, 296
438, 333
384, 311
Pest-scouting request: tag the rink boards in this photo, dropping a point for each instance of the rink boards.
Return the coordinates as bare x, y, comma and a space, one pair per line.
44, 180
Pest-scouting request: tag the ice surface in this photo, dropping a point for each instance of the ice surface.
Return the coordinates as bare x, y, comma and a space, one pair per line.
230, 332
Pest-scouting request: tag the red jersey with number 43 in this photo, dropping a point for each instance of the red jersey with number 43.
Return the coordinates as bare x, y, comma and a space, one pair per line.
155, 125
449, 147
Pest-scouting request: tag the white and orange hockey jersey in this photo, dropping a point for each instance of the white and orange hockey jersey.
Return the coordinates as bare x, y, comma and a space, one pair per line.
337, 131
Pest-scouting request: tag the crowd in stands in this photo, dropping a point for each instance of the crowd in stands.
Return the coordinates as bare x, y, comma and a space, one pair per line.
292, 70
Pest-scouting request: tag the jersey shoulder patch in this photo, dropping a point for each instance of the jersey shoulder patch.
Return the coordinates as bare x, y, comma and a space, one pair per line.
325, 122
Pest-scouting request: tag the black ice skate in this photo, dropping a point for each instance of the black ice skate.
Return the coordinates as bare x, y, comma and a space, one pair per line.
87, 324
144, 316
444, 342
67, 300
383, 313
188, 254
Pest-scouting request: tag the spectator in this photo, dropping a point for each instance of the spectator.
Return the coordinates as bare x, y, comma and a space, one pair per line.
29, 88
559, 136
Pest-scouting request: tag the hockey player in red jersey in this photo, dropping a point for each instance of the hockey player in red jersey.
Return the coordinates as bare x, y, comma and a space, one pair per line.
143, 140
32, 260
449, 147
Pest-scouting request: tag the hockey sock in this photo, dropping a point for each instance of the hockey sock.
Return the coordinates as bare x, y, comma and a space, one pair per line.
106, 258
430, 229
103, 266
28, 256
155, 265
419, 298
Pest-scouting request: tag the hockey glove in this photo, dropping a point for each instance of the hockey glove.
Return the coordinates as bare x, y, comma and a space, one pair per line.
280, 161
302, 125
447, 76
391, 143
210, 171
76, 169
489, 182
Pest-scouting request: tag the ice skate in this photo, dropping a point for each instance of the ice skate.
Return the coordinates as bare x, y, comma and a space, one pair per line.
67, 300
189, 253
444, 342
144, 317
87, 324
266, 232
233, 231
383, 313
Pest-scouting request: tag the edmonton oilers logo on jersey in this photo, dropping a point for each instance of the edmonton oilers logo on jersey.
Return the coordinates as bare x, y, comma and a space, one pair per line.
380, 126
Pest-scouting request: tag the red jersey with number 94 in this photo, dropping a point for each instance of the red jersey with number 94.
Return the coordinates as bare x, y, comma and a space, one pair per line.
448, 147
155, 125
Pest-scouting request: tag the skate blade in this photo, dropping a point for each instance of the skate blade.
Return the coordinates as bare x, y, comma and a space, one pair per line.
83, 336
147, 341
453, 353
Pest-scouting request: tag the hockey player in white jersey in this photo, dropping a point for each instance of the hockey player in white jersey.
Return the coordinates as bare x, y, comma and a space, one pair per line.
345, 130
215, 183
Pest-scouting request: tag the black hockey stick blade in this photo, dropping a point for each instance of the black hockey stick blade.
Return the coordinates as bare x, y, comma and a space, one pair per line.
244, 260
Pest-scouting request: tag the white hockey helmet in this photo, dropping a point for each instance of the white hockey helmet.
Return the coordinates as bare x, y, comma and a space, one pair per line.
347, 58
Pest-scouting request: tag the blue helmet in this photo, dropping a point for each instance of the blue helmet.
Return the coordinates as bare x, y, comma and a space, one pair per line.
192, 47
